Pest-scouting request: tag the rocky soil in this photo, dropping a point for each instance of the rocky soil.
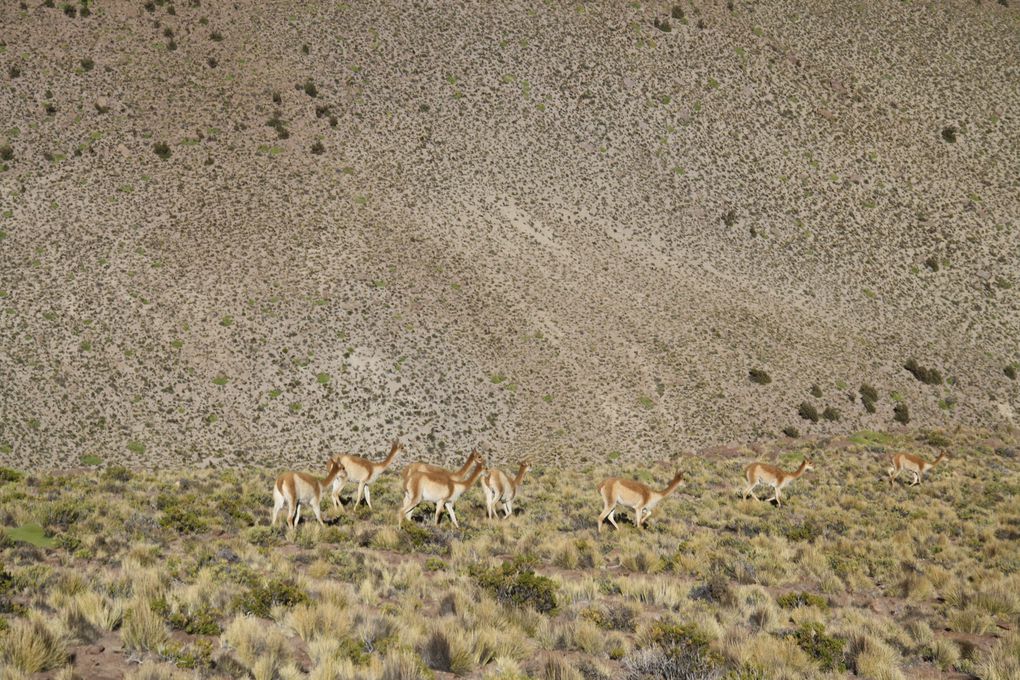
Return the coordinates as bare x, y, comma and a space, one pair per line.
264, 232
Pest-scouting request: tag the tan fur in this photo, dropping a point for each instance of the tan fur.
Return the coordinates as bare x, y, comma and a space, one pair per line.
770, 475
913, 464
364, 472
499, 488
443, 489
462, 473
628, 493
295, 489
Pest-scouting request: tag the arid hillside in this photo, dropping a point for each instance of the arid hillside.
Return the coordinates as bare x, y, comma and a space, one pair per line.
265, 231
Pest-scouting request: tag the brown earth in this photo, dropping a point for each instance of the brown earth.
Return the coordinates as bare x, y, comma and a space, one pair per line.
551, 228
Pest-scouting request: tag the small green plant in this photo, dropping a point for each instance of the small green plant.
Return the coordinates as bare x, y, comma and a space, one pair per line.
759, 376
901, 413
136, 447
808, 412
801, 599
826, 650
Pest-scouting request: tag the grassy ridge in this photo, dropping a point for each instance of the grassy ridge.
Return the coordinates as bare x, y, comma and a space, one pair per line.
179, 569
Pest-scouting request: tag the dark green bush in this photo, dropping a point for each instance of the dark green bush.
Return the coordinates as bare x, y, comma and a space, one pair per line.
808, 412
929, 376
826, 650
117, 473
202, 621
759, 376
61, 515
183, 521
868, 392
6, 152
87, 64
1010, 369
935, 439
317, 148
831, 414
262, 596
162, 149
310, 89
801, 599
517, 584
816, 391
804, 531
9, 475
791, 432
901, 413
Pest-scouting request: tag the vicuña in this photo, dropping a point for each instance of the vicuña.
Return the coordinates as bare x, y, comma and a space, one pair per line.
296, 489
770, 475
364, 472
913, 464
440, 488
630, 494
499, 488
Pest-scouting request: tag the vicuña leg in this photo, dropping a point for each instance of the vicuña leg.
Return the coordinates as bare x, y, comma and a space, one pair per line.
368, 498
452, 514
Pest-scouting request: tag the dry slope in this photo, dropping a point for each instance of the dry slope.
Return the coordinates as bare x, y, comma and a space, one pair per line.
246, 231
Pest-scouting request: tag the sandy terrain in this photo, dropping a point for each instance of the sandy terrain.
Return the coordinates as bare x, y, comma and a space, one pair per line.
541, 227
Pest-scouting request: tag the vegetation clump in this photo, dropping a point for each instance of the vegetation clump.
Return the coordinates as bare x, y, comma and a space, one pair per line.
828, 651
901, 413
516, 583
262, 595
831, 414
869, 397
808, 412
162, 149
929, 376
759, 376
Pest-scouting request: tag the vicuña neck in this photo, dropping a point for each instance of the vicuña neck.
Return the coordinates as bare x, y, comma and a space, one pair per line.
672, 486
393, 454
520, 475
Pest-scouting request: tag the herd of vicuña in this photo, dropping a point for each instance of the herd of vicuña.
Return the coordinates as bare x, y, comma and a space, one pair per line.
424, 482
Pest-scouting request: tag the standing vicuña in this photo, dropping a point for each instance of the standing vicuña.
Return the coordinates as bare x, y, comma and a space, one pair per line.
297, 489
770, 475
463, 472
440, 488
364, 472
499, 488
631, 494
911, 463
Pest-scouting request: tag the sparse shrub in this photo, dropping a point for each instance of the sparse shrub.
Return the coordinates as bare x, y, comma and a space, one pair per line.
759, 376
1009, 370
516, 583
826, 650
262, 596
935, 439
929, 376
213, 62
662, 25
310, 89
216, 36
816, 391
30, 646
14, 71
204, 620
182, 520
949, 134
831, 414
677, 651
869, 397
791, 432
932, 263
801, 599
9, 475
677, 12
87, 64
143, 629
317, 148
901, 413
162, 149
117, 473
729, 217
808, 412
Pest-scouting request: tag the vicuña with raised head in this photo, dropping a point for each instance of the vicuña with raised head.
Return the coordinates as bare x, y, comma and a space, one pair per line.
500, 488
296, 489
770, 475
364, 472
443, 489
913, 464
630, 494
